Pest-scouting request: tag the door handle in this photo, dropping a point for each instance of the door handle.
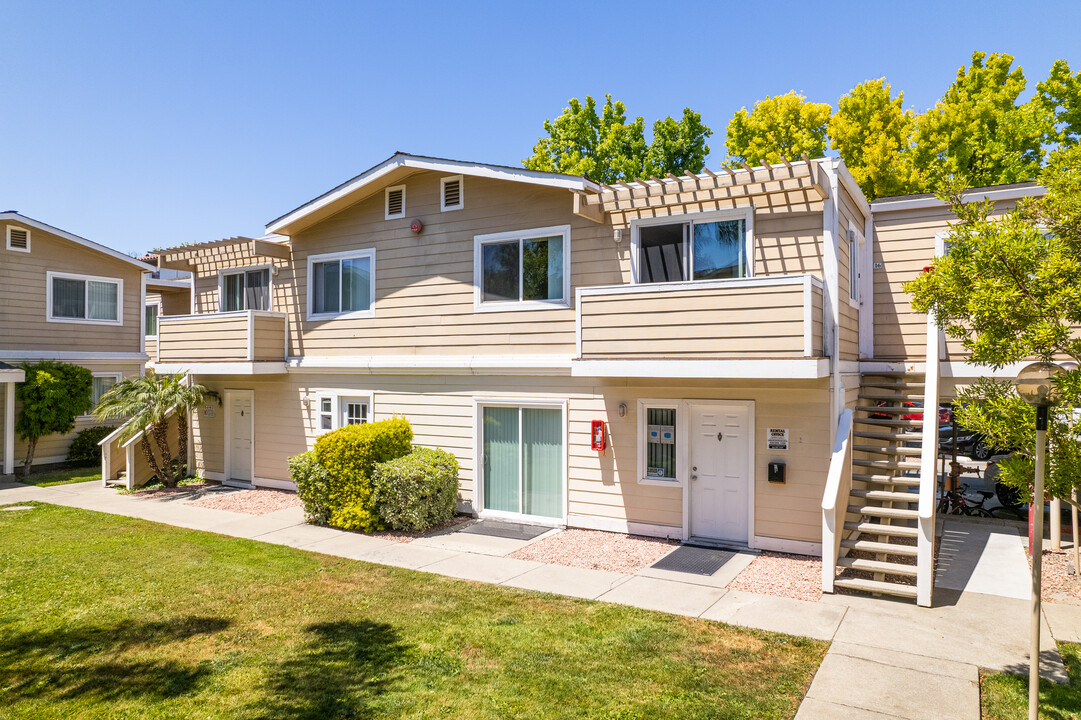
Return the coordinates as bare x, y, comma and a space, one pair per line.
694, 477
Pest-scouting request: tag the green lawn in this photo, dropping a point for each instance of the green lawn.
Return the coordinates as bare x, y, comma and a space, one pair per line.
60, 477
1005, 697
107, 617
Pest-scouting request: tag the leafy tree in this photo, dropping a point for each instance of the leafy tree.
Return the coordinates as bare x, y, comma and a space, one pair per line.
873, 133
148, 403
978, 132
1010, 289
1060, 95
607, 148
52, 396
783, 125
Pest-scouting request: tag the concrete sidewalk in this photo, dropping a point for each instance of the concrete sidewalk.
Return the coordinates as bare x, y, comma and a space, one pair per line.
888, 659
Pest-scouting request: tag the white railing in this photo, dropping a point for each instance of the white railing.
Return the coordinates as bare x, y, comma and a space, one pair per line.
925, 543
835, 500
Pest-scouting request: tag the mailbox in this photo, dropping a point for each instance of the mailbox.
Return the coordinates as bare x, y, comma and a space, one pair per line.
776, 472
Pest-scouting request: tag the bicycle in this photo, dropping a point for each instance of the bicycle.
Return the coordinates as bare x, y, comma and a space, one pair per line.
957, 502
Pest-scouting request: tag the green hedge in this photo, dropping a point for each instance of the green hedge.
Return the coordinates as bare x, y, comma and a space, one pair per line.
418, 490
348, 455
84, 448
313, 487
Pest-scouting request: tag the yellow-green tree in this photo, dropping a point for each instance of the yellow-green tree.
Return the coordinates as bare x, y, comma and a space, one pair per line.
783, 125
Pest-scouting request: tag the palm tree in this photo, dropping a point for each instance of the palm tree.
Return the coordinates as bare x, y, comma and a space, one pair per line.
147, 403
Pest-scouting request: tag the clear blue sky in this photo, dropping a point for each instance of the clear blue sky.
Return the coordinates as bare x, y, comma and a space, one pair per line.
151, 124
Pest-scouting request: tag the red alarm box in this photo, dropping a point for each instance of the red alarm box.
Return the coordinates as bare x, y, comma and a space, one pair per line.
596, 435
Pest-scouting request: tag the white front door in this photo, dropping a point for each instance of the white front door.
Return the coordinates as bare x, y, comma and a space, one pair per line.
239, 436
720, 473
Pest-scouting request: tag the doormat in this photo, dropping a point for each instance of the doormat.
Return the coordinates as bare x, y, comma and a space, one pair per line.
504, 529
694, 560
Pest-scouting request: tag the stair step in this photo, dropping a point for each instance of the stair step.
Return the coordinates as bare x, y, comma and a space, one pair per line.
891, 495
908, 451
883, 422
880, 547
879, 529
887, 464
877, 566
892, 385
886, 479
890, 436
876, 586
891, 409
887, 512
915, 397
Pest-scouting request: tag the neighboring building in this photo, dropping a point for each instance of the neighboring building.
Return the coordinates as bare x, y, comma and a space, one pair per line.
168, 292
64, 298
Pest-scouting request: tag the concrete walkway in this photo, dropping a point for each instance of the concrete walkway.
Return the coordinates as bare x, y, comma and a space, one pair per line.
887, 659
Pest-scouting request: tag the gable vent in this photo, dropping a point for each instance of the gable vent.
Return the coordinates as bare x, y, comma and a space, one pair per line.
395, 202
452, 193
18, 239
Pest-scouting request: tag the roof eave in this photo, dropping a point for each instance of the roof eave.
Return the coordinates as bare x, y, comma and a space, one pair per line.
44, 227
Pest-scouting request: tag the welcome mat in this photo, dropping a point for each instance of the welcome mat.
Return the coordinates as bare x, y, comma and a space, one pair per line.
504, 529
694, 560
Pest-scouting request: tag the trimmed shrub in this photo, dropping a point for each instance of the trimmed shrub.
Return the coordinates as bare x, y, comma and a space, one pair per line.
349, 455
418, 490
84, 448
313, 486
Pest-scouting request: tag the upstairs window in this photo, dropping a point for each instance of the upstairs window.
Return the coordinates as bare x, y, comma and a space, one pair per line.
853, 265
523, 270
245, 289
451, 193
342, 284
395, 202
84, 298
709, 248
150, 326
18, 239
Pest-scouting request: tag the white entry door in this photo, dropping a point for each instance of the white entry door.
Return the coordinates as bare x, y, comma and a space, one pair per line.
239, 435
720, 473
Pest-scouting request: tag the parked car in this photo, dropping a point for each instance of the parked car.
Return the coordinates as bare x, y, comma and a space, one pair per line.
969, 443
943, 412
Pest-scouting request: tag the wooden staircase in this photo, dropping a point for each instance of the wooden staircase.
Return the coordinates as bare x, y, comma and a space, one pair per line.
879, 553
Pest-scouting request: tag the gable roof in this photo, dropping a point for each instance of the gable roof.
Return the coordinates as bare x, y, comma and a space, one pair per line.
31, 222
353, 190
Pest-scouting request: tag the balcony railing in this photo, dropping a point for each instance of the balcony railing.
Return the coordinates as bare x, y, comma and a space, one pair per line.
245, 336
766, 317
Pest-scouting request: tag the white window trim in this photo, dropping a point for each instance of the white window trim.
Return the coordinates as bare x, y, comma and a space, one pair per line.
681, 447
119, 282
479, 305
343, 399
28, 241
329, 257
854, 264
479, 403
269, 267
742, 212
442, 193
116, 376
157, 304
336, 398
386, 202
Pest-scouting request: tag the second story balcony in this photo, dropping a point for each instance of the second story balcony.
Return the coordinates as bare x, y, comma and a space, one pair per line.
244, 342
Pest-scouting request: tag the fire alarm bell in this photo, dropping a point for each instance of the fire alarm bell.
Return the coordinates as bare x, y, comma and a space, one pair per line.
416, 226
597, 435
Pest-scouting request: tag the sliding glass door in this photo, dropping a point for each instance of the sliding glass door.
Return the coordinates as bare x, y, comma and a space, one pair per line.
523, 460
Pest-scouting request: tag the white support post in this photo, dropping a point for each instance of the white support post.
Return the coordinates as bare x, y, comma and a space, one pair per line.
129, 478
1056, 524
925, 541
835, 500
9, 428
251, 336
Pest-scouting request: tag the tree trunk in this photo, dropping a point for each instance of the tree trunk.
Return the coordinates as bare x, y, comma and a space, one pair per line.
31, 445
182, 442
148, 453
160, 431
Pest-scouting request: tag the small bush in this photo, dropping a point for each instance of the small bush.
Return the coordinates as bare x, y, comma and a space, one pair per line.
349, 455
418, 490
313, 486
84, 448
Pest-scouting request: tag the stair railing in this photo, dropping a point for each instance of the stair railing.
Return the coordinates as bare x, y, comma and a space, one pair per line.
835, 499
925, 541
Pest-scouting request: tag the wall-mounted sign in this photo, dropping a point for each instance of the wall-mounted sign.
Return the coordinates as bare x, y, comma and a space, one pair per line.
878, 266
663, 434
208, 411
777, 438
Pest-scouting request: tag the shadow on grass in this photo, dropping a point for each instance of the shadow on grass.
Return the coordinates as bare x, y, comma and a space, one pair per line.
1007, 693
84, 662
340, 672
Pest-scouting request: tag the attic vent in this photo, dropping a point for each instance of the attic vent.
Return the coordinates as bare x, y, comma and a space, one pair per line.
18, 239
452, 193
396, 202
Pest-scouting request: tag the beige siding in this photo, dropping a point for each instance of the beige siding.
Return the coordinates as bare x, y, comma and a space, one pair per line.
23, 298
152, 348
269, 338
197, 338
601, 485
735, 322
849, 332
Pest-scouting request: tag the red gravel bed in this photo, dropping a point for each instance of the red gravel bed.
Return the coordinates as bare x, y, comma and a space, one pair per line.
1058, 585
597, 550
250, 502
784, 575
401, 536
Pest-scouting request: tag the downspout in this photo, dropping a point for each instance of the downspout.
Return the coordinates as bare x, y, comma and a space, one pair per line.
831, 278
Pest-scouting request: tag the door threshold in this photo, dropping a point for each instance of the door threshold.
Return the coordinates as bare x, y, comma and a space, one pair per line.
714, 544
238, 484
